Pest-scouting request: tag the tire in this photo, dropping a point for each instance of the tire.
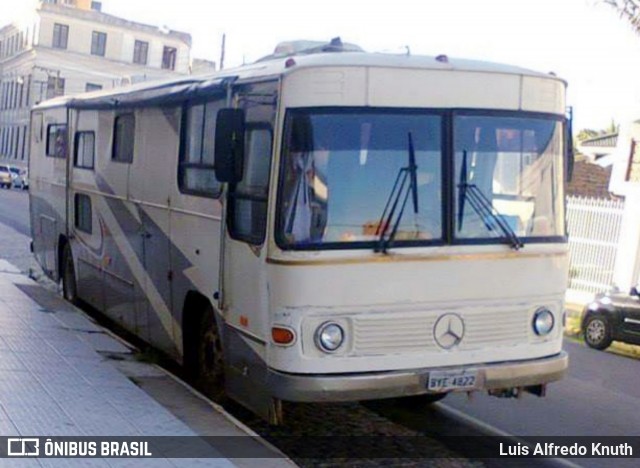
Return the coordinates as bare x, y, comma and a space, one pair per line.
69, 284
210, 358
597, 332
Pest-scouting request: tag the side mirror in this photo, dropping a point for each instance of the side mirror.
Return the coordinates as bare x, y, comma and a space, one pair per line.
229, 145
570, 150
634, 292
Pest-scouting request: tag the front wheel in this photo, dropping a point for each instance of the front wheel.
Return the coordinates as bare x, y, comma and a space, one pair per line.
69, 285
210, 369
597, 332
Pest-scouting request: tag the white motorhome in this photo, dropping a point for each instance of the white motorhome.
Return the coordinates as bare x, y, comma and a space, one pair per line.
325, 226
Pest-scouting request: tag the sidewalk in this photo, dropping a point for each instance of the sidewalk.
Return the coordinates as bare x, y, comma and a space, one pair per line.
56, 380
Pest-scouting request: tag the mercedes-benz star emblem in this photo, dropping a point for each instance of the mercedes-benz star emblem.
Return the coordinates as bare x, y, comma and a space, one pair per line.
448, 330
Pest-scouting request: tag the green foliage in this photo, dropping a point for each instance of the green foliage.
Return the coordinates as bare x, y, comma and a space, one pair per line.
586, 133
629, 10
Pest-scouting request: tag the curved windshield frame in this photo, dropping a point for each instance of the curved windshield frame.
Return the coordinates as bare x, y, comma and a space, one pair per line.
339, 166
515, 163
338, 171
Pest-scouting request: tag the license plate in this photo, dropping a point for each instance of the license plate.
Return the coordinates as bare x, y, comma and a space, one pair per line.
451, 380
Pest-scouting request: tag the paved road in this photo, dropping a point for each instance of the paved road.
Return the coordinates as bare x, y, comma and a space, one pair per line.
14, 210
598, 398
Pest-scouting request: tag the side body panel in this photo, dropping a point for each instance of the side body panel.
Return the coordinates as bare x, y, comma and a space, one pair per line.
47, 189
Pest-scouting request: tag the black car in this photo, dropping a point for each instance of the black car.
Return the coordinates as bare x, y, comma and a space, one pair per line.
612, 316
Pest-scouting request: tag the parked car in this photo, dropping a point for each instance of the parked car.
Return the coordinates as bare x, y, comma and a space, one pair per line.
6, 179
612, 316
20, 177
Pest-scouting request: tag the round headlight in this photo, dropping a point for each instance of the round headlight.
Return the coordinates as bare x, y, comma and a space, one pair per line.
329, 336
543, 322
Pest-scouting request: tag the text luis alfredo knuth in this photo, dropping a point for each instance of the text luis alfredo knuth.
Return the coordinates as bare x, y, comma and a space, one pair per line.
596, 449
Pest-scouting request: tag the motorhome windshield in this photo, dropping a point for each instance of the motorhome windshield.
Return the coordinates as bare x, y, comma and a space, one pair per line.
340, 166
512, 166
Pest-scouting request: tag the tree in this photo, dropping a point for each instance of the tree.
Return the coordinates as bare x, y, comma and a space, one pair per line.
628, 9
588, 133
612, 128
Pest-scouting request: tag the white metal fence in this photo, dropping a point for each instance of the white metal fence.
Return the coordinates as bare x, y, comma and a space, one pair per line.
594, 230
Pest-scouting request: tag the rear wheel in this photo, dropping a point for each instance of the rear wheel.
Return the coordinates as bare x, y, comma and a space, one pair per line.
69, 285
210, 359
597, 332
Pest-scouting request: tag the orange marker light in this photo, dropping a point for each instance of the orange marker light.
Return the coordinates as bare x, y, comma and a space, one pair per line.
282, 336
244, 321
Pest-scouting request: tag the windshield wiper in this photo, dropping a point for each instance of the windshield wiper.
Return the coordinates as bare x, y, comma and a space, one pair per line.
405, 175
483, 207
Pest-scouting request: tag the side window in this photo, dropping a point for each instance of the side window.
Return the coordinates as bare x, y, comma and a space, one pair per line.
57, 141
84, 154
195, 172
124, 131
249, 197
83, 220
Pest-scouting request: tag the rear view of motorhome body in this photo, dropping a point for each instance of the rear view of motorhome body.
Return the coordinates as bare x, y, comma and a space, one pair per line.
326, 226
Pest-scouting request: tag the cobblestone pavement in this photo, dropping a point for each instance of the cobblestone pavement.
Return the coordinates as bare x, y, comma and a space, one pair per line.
337, 427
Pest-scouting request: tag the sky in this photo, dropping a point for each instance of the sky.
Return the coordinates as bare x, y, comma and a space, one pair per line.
582, 41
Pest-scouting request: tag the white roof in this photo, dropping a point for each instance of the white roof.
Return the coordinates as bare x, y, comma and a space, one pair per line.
182, 88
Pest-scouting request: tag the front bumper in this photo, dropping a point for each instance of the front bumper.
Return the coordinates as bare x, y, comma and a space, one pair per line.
377, 385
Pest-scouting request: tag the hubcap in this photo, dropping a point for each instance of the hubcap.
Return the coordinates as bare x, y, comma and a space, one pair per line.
212, 355
596, 331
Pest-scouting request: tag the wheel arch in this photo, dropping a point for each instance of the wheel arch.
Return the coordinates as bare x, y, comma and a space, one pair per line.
194, 307
62, 243
607, 311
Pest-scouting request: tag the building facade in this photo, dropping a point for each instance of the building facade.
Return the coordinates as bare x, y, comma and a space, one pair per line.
59, 47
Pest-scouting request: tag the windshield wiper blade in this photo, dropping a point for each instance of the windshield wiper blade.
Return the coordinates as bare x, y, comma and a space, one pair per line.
405, 174
483, 207
462, 189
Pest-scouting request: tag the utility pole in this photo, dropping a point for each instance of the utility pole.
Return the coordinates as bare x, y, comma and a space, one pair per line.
224, 40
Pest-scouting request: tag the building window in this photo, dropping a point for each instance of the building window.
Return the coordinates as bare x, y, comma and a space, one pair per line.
83, 215
98, 43
60, 36
140, 52
92, 87
169, 58
27, 97
57, 141
195, 173
21, 82
84, 150
96, 6
24, 142
124, 132
55, 86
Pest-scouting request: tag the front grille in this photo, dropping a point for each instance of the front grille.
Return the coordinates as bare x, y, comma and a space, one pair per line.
384, 333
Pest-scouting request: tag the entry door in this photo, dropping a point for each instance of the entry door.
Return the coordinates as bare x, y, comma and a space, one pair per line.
244, 270
245, 295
